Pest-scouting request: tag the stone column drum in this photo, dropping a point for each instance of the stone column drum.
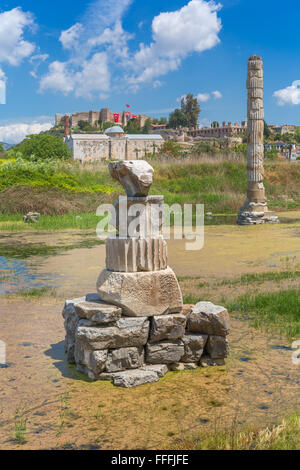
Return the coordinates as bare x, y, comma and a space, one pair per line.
137, 277
255, 210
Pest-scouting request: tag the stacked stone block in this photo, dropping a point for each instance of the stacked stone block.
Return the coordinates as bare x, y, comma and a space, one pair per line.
131, 351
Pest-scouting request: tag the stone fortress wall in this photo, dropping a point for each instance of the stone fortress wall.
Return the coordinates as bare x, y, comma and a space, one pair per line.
96, 117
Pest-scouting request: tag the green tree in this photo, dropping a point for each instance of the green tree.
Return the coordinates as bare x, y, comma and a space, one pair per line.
43, 147
177, 119
297, 135
267, 132
133, 127
2, 150
147, 126
191, 109
107, 125
163, 121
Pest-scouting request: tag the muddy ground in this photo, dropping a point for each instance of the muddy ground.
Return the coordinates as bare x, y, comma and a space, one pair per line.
62, 409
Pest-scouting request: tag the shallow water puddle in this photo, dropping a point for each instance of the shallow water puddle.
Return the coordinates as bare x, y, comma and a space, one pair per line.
73, 269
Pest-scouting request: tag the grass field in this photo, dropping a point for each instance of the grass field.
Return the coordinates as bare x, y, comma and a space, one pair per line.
63, 188
283, 436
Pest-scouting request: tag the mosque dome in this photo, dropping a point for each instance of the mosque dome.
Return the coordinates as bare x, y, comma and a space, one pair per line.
114, 131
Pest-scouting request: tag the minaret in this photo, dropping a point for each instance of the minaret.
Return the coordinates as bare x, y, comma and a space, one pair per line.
67, 126
255, 210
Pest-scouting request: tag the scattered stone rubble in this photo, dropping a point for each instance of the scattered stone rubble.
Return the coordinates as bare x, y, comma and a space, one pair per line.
31, 217
136, 328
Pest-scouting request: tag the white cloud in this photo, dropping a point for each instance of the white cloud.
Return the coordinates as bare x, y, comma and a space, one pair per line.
58, 78
13, 47
70, 37
289, 95
93, 44
2, 87
193, 28
99, 38
203, 97
216, 94
94, 76
36, 61
14, 133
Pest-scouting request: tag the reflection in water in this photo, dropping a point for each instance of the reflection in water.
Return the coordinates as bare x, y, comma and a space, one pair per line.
18, 275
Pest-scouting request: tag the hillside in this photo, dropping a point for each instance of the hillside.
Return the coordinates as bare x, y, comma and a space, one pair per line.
5, 145
68, 188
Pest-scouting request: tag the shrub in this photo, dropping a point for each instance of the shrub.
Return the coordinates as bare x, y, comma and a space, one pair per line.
43, 147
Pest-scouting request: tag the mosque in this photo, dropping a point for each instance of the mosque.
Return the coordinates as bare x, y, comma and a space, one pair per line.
114, 144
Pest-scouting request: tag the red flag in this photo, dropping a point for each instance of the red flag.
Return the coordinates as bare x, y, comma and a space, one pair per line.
134, 116
116, 117
127, 105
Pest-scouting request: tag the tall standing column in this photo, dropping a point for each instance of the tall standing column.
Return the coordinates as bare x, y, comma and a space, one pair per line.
255, 210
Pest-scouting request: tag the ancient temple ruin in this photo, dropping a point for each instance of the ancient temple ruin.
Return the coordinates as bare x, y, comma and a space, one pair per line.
255, 210
136, 328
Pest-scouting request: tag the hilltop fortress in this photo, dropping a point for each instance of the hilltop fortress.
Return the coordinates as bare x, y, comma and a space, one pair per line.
97, 117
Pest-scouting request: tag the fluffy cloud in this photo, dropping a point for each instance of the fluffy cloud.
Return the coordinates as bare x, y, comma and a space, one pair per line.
289, 95
94, 44
92, 76
2, 87
13, 47
16, 132
70, 37
216, 94
99, 40
193, 28
58, 78
204, 97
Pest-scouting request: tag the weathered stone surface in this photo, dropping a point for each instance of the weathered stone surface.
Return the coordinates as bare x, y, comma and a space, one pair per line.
124, 358
194, 345
180, 366
207, 361
160, 369
186, 309
141, 294
136, 254
167, 327
166, 352
127, 332
131, 378
94, 361
31, 217
135, 176
217, 347
208, 318
100, 313
70, 322
252, 212
139, 217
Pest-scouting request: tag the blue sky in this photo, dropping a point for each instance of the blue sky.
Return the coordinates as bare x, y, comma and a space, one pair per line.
66, 56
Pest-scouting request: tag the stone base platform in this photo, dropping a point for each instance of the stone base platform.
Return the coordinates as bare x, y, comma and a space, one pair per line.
130, 351
257, 218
